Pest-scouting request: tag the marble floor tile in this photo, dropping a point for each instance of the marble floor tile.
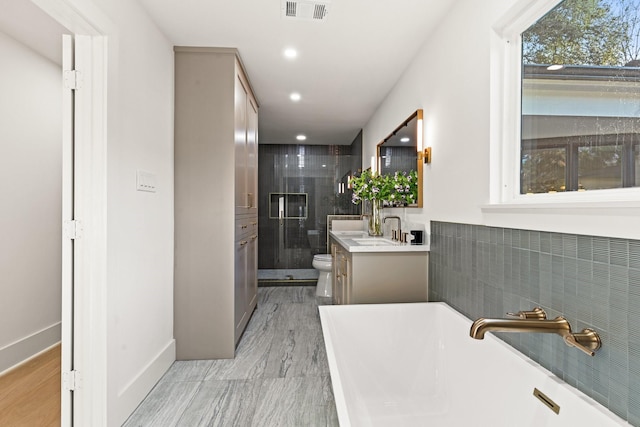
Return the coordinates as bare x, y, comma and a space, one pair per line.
164, 405
222, 403
294, 402
296, 316
286, 294
297, 353
262, 318
187, 370
251, 357
279, 377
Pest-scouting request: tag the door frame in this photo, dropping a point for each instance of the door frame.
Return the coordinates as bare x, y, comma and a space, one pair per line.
66, 357
89, 303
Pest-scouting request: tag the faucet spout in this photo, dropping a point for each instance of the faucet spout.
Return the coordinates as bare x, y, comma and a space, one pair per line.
587, 340
559, 325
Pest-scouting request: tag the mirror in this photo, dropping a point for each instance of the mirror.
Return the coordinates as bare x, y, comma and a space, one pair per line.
398, 152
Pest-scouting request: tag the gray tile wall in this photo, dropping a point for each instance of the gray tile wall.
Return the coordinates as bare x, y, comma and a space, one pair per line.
592, 281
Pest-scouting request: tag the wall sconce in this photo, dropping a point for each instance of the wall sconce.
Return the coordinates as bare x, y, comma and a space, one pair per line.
425, 155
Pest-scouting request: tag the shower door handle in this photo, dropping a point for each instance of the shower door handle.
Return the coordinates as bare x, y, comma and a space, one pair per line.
281, 217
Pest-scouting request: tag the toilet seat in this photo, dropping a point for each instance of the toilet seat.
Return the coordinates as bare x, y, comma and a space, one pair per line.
322, 257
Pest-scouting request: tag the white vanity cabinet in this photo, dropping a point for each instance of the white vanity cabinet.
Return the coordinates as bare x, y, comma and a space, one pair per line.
216, 218
378, 274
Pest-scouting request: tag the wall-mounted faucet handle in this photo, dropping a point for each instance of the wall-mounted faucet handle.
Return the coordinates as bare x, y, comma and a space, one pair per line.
587, 341
536, 313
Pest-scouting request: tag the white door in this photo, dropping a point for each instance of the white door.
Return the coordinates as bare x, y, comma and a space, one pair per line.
77, 55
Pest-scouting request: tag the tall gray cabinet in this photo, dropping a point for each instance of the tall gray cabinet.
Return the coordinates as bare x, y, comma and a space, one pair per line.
216, 215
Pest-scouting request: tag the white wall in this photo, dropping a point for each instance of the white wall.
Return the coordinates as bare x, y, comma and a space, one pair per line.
30, 210
140, 224
450, 79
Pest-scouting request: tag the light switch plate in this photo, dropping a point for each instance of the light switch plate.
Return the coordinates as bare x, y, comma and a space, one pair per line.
146, 181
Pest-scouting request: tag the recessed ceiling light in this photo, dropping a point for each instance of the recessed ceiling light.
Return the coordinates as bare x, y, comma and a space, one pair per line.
555, 67
290, 53
301, 137
295, 97
405, 139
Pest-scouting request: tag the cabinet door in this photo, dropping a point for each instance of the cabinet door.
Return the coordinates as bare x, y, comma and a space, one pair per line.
334, 273
252, 154
240, 141
252, 273
240, 286
348, 277
340, 276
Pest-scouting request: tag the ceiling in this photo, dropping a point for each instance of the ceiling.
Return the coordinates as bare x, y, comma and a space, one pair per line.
346, 64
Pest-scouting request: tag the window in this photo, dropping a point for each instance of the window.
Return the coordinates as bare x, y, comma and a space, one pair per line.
580, 98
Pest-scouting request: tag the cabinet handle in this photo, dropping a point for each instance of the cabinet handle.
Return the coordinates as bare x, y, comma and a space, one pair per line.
244, 242
243, 226
254, 237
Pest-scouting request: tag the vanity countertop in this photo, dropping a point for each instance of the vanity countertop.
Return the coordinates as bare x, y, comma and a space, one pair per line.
358, 241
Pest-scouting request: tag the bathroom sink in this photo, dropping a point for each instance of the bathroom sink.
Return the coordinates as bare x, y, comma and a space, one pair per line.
374, 242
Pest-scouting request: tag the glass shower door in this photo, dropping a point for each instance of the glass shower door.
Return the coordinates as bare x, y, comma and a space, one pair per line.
298, 186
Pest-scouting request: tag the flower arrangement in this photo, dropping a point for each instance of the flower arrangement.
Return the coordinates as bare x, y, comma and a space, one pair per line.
405, 188
399, 189
369, 186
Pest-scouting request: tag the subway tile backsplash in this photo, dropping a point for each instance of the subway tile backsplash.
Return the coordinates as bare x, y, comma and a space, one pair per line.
593, 281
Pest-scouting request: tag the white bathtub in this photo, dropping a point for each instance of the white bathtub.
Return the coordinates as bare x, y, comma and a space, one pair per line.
415, 365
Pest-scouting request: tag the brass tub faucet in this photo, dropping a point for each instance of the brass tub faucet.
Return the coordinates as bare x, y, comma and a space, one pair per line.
586, 340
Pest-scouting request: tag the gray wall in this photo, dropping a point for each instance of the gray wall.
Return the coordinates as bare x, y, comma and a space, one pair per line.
592, 281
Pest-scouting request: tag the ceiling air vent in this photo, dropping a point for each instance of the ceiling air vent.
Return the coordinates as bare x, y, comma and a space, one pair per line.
305, 10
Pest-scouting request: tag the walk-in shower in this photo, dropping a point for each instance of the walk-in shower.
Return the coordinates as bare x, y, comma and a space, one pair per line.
299, 185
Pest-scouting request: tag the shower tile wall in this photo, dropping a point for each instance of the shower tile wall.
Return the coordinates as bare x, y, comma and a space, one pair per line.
593, 281
315, 170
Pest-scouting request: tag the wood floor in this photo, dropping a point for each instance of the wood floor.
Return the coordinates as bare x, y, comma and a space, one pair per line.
30, 393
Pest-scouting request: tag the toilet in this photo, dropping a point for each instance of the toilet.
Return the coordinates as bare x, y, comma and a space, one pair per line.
322, 263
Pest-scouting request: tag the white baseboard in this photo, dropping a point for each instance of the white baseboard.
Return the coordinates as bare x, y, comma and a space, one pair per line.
132, 394
26, 348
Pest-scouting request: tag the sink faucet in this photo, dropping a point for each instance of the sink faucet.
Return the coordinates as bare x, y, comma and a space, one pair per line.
587, 340
395, 237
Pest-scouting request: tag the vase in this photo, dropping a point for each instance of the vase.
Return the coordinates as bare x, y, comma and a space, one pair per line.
375, 222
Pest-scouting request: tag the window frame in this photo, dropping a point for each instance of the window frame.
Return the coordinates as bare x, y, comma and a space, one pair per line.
506, 117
